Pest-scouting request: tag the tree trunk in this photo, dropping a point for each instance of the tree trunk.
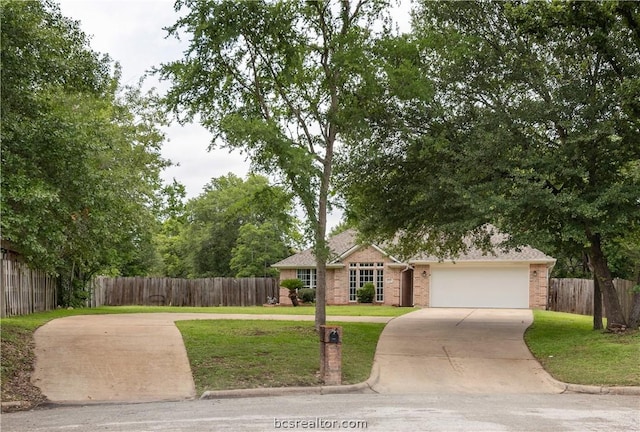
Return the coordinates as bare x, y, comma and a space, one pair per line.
615, 317
321, 248
294, 298
597, 304
634, 315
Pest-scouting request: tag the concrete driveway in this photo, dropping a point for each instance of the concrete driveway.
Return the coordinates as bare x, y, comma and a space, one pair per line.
114, 358
141, 357
441, 350
125, 357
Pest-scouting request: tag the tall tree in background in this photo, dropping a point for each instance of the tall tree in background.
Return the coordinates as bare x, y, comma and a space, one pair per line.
169, 239
277, 80
257, 247
533, 125
80, 160
231, 217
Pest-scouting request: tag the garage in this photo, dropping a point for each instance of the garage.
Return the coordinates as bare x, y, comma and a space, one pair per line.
458, 285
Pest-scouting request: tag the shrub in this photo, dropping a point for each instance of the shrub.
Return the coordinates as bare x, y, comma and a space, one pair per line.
366, 293
308, 295
292, 285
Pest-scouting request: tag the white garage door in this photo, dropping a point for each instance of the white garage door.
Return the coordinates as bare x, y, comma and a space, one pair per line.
482, 287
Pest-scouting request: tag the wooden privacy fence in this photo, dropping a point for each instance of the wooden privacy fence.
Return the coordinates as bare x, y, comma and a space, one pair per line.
576, 296
24, 290
127, 291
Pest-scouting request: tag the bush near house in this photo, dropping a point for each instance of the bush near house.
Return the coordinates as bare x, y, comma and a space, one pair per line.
293, 285
307, 295
365, 293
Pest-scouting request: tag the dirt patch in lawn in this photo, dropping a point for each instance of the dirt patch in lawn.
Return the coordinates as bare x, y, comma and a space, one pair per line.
18, 361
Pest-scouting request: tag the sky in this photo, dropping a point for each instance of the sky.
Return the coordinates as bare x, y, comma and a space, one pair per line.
131, 33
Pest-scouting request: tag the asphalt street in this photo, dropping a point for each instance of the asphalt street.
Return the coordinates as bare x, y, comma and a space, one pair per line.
370, 412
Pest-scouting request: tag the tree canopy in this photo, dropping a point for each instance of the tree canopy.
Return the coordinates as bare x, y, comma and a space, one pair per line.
527, 118
235, 227
80, 157
278, 80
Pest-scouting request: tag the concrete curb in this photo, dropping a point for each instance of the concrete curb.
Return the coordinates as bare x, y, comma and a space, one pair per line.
367, 387
591, 389
287, 391
15, 406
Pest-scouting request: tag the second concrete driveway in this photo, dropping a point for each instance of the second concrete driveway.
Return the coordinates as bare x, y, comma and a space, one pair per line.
458, 351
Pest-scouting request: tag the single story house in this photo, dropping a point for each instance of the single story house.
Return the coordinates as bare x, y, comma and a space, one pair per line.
511, 279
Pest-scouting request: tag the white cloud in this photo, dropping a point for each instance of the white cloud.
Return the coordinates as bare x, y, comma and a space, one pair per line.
131, 32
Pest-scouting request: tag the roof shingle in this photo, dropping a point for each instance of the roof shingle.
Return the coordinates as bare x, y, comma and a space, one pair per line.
343, 242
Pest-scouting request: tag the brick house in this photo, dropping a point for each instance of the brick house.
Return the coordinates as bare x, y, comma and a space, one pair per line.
511, 279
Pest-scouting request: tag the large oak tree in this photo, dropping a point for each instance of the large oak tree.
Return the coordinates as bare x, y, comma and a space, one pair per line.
528, 119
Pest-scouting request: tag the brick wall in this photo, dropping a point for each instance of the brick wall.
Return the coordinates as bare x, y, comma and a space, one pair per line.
421, 285
538, 286
336, 292
392, 286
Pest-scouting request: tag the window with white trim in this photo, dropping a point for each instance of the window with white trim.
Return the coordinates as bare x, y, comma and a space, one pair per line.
361, 273
308, 277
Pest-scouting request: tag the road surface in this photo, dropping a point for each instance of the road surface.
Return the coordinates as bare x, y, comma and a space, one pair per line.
370, 412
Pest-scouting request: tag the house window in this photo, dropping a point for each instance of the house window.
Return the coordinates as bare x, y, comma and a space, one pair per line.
353, 285
308, 277
361, 273
380, 285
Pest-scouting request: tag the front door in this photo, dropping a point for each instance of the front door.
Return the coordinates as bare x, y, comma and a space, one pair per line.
406, 288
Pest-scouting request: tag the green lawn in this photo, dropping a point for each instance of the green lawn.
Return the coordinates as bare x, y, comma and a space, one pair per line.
246, 354
571, 351
350, 310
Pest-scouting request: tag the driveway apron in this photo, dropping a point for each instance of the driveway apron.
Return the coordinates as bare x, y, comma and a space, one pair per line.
113, 358
442, 350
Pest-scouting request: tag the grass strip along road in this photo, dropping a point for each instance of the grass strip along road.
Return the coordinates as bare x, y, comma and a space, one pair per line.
571, 351
252, 354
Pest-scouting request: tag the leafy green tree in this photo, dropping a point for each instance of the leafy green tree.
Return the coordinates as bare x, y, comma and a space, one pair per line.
343, 226
279, 81
257, 247
169, 240
532, 124
229, 219
80, 159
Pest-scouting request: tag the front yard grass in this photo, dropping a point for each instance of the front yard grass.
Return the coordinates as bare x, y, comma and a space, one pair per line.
250, 354
571, 351
347, 310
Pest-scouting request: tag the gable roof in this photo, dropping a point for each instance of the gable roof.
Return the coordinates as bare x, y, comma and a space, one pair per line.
339, 245
345, 243
475, 254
